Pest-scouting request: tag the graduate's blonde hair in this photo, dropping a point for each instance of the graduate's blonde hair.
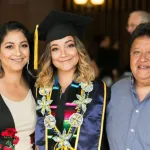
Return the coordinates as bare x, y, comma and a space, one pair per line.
84, 70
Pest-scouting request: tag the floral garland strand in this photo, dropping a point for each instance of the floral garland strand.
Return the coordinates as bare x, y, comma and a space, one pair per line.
75, 120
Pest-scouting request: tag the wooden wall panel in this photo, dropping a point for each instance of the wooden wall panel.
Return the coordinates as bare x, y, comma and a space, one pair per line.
29, 12
111, 19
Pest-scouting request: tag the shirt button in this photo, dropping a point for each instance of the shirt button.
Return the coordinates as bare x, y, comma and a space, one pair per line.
132, 130
137, 111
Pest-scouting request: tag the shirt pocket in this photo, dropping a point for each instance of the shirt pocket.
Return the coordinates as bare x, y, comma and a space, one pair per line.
117, 123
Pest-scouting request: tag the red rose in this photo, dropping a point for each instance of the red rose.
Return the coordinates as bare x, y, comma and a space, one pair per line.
7, 148
16, 140
9, 132
0, 145
12, 130
4, 133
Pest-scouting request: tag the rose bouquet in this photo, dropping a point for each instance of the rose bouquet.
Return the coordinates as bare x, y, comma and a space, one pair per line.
10, 138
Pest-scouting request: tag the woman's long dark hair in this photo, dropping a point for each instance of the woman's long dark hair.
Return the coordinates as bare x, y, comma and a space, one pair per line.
12, 26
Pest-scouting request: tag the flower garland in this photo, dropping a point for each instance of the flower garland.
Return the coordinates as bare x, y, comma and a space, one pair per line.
75, 120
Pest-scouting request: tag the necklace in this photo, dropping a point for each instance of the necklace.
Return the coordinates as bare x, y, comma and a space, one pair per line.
75, 120
62, 90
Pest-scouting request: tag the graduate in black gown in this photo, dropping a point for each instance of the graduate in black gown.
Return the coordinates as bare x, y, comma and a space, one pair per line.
70, 103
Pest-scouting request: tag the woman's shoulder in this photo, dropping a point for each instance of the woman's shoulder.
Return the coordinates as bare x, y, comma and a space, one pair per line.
100, 88
33, 90
98, 84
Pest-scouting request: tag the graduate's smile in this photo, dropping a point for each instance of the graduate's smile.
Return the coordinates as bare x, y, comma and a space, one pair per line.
64, 54
17, 60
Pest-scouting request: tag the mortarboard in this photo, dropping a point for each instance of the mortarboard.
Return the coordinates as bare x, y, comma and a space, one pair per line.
58, 25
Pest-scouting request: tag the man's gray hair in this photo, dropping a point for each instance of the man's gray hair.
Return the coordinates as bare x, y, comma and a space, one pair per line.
145, 16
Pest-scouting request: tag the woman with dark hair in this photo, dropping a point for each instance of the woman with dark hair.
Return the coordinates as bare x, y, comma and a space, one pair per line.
17, 104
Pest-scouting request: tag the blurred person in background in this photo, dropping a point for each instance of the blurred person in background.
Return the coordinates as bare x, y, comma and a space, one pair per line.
136, 18
106, 58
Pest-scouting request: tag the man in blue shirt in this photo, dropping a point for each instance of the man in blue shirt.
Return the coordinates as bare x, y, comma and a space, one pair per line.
128, 113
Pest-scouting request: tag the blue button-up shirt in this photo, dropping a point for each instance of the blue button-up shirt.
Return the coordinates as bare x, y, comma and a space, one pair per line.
128, 119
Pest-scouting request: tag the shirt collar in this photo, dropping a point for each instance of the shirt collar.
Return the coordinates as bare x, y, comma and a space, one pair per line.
132, 79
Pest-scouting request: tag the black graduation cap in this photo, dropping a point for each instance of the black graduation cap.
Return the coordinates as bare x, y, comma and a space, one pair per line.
59, 24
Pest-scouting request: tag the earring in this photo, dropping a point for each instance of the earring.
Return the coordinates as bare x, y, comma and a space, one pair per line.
28, 69
0, 66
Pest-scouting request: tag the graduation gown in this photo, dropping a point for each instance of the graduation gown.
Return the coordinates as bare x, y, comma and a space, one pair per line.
88, 137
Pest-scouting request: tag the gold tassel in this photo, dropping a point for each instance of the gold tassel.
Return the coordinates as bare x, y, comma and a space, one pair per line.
36, 48
65, 148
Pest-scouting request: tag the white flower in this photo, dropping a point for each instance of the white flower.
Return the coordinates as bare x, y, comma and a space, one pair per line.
49, 121
62, 139
44, 91
87, 87
44, 105
76, 120
82, 102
